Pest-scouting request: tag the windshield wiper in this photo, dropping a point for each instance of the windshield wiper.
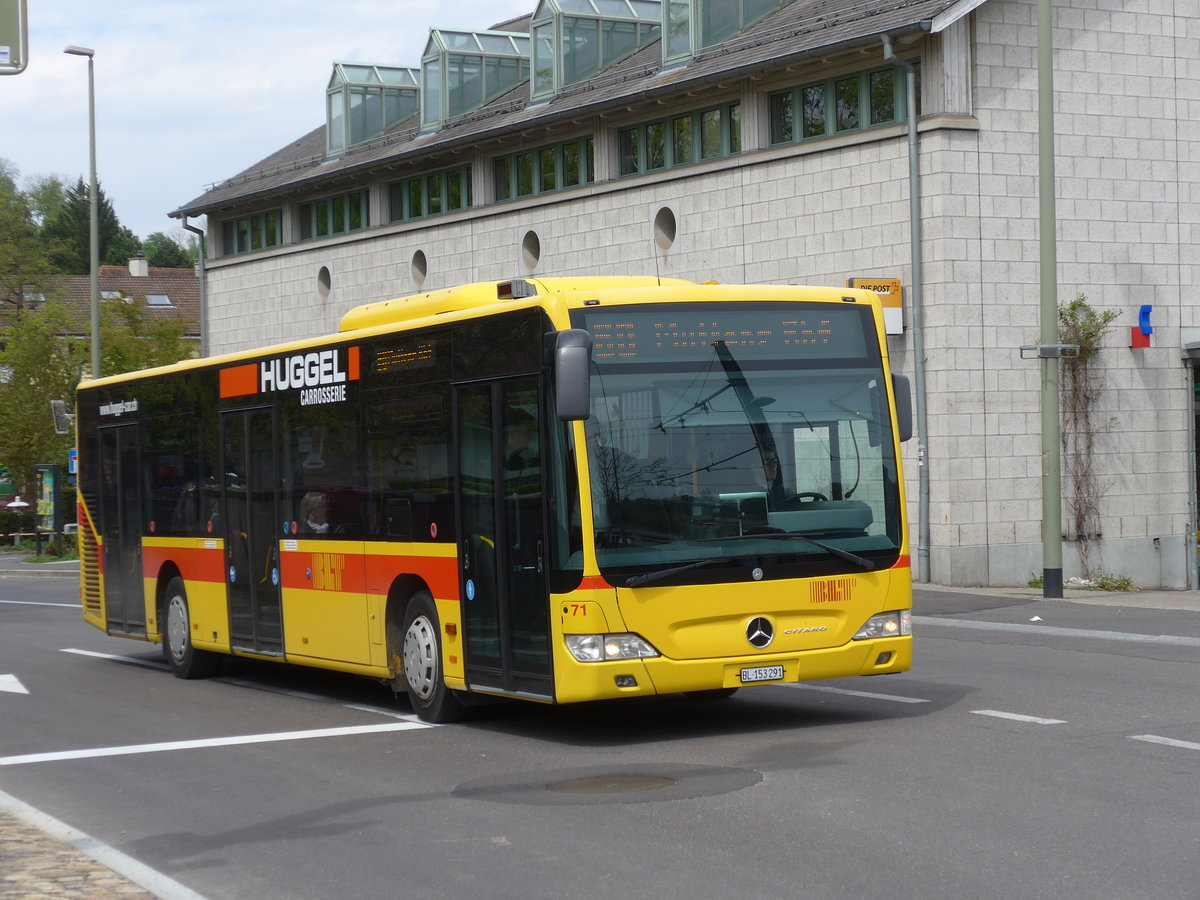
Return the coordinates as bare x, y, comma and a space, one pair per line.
646, 578
828, 548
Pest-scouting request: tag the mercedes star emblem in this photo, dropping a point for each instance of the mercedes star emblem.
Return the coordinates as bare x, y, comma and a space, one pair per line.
760, 632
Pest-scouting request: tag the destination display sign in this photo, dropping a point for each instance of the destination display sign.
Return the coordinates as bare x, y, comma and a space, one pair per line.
774, 331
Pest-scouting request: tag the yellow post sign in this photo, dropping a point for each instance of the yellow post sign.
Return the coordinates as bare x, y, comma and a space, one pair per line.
892, 293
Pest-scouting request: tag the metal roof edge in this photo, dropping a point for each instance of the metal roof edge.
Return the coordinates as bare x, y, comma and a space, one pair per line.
948, 17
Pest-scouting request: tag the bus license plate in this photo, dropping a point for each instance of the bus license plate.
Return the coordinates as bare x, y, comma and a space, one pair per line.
762, 673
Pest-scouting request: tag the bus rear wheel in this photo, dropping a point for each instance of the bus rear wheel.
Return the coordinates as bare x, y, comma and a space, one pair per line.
421, 653
183, 658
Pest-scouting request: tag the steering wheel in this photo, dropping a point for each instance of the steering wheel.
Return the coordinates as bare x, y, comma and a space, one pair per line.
805, 497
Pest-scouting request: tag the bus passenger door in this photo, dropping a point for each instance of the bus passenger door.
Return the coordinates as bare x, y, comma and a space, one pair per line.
502, 537
121, 530
248, 522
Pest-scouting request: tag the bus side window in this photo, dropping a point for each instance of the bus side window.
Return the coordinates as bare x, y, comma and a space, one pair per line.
312, 515
398, 518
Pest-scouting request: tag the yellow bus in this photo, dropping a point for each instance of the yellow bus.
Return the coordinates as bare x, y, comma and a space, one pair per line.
557, 489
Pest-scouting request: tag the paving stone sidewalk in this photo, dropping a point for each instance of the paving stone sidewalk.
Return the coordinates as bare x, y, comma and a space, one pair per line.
36, 866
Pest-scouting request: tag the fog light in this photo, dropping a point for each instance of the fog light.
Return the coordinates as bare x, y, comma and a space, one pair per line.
625, 681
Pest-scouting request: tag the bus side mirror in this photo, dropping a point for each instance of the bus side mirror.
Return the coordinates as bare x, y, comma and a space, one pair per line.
572, 374
904, 416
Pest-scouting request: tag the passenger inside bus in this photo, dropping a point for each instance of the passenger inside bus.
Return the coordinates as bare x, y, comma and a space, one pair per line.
770, 477
314, 513
521, 451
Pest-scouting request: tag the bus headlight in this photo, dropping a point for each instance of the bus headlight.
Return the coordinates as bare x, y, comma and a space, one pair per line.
606, 647
888, 624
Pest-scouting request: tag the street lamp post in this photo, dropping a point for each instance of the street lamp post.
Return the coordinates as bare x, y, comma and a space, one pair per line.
93, 206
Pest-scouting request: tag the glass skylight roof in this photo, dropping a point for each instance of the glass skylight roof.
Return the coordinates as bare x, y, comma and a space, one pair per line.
364, 100
573, 39
692, 25
462, 70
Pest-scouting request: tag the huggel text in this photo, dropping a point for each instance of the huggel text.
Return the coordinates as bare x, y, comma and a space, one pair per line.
304, 370
118, 408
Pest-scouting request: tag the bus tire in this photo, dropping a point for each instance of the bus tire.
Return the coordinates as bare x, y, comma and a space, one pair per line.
183, 658
421, 653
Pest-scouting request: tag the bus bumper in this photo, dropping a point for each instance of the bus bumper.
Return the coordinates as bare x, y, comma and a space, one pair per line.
647, 677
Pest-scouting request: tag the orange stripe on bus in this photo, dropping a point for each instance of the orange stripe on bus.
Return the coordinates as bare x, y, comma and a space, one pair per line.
238, 381
195, 564
352, 363
370, 574
904, 562
594, 583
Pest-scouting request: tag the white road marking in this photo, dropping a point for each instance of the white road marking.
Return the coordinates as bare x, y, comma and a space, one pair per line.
1166, 742
1128, 636
39, 603
148, 663
255, 686
1017, 717
202, 743
12, 684
271, 689
833, 690
380, 711
140, 874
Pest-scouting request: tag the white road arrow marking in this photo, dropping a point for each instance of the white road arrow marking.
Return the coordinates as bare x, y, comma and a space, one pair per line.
12, 684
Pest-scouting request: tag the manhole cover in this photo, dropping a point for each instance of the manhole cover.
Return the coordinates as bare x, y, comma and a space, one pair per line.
648, 783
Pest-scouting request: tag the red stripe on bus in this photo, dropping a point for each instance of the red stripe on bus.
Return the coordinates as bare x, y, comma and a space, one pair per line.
594, 583
370, 574
904, 562
352, 363
439, 572
195, 564
238, 381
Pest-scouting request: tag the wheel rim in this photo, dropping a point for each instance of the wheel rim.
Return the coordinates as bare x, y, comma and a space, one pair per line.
177, 628
420, 658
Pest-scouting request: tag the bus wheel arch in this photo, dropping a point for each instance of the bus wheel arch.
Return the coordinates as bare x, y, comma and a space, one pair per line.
183, 658
166, 574
403, 589
414, 637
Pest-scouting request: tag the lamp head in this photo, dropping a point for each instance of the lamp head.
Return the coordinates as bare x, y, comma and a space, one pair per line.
79, 51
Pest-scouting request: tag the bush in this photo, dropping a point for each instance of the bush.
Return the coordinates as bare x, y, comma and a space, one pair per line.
12, 521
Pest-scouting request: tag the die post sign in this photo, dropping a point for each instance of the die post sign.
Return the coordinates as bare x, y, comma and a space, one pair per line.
891, 293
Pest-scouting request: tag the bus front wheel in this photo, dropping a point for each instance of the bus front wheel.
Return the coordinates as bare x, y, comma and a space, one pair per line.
422, 656
183, 658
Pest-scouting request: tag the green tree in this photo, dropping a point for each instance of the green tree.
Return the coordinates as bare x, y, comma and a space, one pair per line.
66, 235
47, 194
37, 365
24, 267
162, 250
131, 338
8, 175
42, 358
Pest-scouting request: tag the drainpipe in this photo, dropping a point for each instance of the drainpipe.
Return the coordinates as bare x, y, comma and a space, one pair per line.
203, 289
914, 297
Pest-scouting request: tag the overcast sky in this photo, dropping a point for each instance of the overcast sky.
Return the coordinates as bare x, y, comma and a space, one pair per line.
190, 92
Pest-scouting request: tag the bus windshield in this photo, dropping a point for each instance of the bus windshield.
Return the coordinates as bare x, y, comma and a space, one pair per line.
753, 436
